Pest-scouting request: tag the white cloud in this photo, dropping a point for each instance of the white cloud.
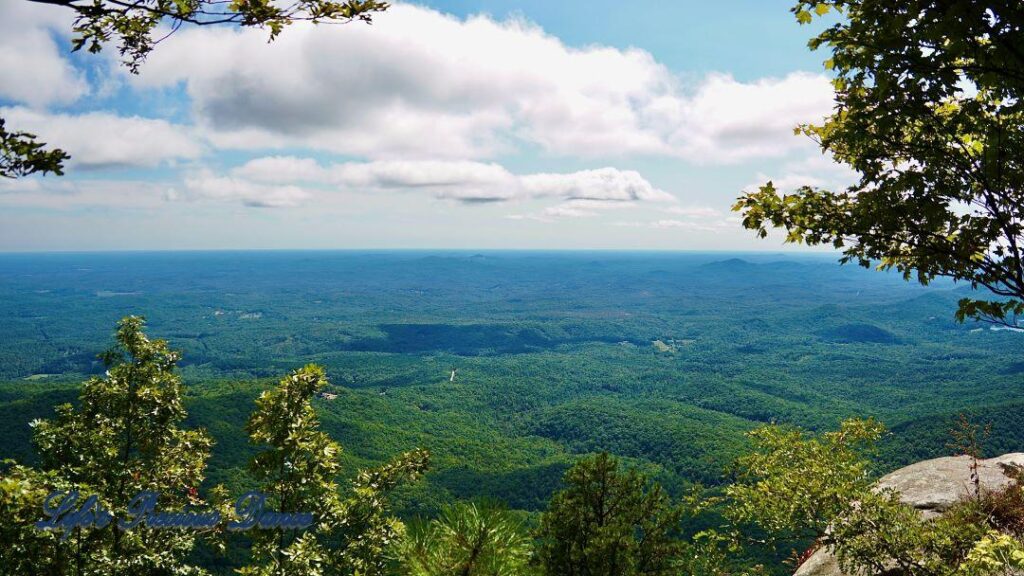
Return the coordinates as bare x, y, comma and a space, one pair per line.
280, 170
729, 121
101, 139
464, 181
420, 84
817, 170
207, 186
690, 219
583, 208
600, 184
33, 70
457, 180
66, 194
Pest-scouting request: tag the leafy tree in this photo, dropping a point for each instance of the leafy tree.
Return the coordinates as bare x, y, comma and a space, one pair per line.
297, 471
21, 155
995, 554
609, 522
139, 25
124, 438
364, 535
929, 113
23, 549
793, 485
468, 540
798, 487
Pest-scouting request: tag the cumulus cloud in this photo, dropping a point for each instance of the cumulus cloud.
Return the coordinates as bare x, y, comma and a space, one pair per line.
280, 170
208, 186
457, 180
466, 181
101, 139
727, 120
461, 180
33, 70
421, 84
601, 184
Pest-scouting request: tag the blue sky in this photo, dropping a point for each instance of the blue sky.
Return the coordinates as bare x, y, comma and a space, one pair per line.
749, 38
456, 124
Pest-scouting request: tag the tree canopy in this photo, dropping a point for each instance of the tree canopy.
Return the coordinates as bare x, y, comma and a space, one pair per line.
467, 539
929, 114
297, 469
609, 522
124, 438
21, 154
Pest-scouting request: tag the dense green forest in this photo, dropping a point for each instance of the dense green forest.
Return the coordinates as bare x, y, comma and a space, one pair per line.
663, 359
427, 413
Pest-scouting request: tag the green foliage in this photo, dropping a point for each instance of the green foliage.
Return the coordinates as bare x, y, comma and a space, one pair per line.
352, 534
544, 375
930, 115
468, 539
609, 522
124, 438
296, 470
365, 533
753, 344
880, 533
996, 554
22, 493
21, 155
793, 485
800, 487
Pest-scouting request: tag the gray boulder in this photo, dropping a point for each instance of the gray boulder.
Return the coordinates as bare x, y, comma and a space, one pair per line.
931, 486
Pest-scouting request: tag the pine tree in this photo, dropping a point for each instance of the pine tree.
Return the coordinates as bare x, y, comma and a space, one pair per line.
609, 522
468, 540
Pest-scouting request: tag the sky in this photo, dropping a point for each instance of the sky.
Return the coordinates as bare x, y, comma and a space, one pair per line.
473, 124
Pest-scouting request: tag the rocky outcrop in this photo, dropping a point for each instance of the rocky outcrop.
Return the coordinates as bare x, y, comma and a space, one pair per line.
932, 487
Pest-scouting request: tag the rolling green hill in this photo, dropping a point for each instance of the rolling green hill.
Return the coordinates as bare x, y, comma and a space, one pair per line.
665, 359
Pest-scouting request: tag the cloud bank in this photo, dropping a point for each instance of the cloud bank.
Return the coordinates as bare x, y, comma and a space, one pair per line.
422, 104
423, 85
278, 181
104, 140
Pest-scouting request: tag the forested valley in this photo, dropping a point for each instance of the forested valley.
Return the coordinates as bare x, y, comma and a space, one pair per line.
509, 368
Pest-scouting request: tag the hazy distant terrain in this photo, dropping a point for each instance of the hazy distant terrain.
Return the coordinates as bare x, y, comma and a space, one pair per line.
662, 358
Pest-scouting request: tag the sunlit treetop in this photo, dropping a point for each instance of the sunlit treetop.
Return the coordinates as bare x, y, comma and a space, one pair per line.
929, 114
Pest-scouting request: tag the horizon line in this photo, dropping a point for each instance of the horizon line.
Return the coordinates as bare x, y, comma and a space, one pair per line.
140, 251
